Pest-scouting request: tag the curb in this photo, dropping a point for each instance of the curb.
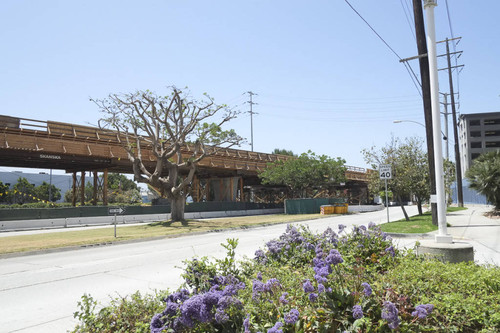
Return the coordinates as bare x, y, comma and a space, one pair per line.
399, 235
139, 240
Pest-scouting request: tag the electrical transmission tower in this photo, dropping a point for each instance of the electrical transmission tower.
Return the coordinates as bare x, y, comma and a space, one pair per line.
449, 68
252, 103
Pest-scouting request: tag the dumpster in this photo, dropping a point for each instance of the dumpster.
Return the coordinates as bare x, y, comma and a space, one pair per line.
340, 208
327, 209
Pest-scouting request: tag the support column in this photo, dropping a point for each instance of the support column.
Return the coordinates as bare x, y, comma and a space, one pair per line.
82, 188
105, 188
96, 189
242, 197
231, 191
207, 189
73, 190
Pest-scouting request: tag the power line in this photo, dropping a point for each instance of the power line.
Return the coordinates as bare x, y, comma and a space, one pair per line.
252, 103
455, 52
406, 10
407, 66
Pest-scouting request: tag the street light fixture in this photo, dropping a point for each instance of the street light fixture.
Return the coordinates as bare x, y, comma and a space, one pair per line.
416, 122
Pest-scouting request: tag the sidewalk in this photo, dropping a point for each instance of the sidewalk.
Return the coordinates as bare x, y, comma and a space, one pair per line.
469, 226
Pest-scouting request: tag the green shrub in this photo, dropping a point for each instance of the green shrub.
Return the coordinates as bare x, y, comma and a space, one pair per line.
123, 314
302, 282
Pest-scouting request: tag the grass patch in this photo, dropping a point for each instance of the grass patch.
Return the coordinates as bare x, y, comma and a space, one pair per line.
455, 209
23, 243
418, 224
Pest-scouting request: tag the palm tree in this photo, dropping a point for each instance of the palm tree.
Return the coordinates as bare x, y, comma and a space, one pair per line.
484, 176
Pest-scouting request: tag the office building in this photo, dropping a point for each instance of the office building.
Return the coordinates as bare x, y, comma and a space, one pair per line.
479, 133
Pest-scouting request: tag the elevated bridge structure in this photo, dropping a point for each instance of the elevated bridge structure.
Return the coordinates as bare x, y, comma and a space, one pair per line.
31, 143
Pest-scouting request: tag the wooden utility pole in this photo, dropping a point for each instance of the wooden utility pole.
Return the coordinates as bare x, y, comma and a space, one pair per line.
426, 97
458, 165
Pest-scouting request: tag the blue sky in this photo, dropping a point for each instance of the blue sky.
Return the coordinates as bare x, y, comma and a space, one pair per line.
324, 80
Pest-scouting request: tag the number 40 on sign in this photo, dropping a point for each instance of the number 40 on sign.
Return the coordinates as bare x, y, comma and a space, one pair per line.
385, 171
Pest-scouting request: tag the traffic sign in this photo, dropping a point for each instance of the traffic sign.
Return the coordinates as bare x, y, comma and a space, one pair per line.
116, 211
385, 171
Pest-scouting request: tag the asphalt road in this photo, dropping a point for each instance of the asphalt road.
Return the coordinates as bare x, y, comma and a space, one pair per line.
39, 293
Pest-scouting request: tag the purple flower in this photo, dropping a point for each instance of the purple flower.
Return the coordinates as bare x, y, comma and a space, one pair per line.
246, 324
357, 312
178, 296
221, 316
292, 316
423, 310
391, 251
321, 274
157, 323
257, 288
276, 328
259, 276
371, 225
171, 308
274, 246
232, 289
283, 297
271, 284
341, 228
260, 256
390, 313
334, 257
367, 289
308, 287
321, 288
313, 297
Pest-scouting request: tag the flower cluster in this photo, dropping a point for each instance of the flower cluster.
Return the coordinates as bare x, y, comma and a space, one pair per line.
390, 313
260, 287
423, 310
324, 270
184, 310
367, 289
357, 312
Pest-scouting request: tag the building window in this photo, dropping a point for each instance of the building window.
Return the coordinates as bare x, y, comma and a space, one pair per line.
475, 144
492, 121
474, 122
474, 156
492, 144
492, 133
475, 134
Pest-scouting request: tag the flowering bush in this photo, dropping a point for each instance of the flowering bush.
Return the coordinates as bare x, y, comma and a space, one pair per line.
331, 282
300, 282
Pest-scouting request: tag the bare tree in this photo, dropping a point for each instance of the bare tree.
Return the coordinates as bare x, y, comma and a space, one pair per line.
177, 131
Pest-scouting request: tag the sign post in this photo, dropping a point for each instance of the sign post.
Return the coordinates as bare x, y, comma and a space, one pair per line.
115, 211
386, 173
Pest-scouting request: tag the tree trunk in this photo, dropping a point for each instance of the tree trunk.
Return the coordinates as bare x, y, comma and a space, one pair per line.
403, 208
178, 204
419, 206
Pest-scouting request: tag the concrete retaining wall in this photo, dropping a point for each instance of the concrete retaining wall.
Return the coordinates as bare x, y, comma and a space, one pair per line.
364, 208
122, 219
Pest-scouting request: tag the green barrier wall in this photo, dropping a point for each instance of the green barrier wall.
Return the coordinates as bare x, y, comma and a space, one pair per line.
89, 211
309, 206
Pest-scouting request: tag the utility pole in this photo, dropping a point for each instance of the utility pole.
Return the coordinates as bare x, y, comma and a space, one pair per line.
426, 97
446, 113
458, 164
251, 94
442, 236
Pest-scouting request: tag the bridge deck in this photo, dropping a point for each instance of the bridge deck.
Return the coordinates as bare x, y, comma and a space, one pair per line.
49, 144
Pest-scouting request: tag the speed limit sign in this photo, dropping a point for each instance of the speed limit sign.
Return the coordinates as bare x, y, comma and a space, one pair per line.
385, 171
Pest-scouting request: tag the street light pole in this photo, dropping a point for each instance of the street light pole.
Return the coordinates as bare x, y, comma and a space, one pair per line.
442, 236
